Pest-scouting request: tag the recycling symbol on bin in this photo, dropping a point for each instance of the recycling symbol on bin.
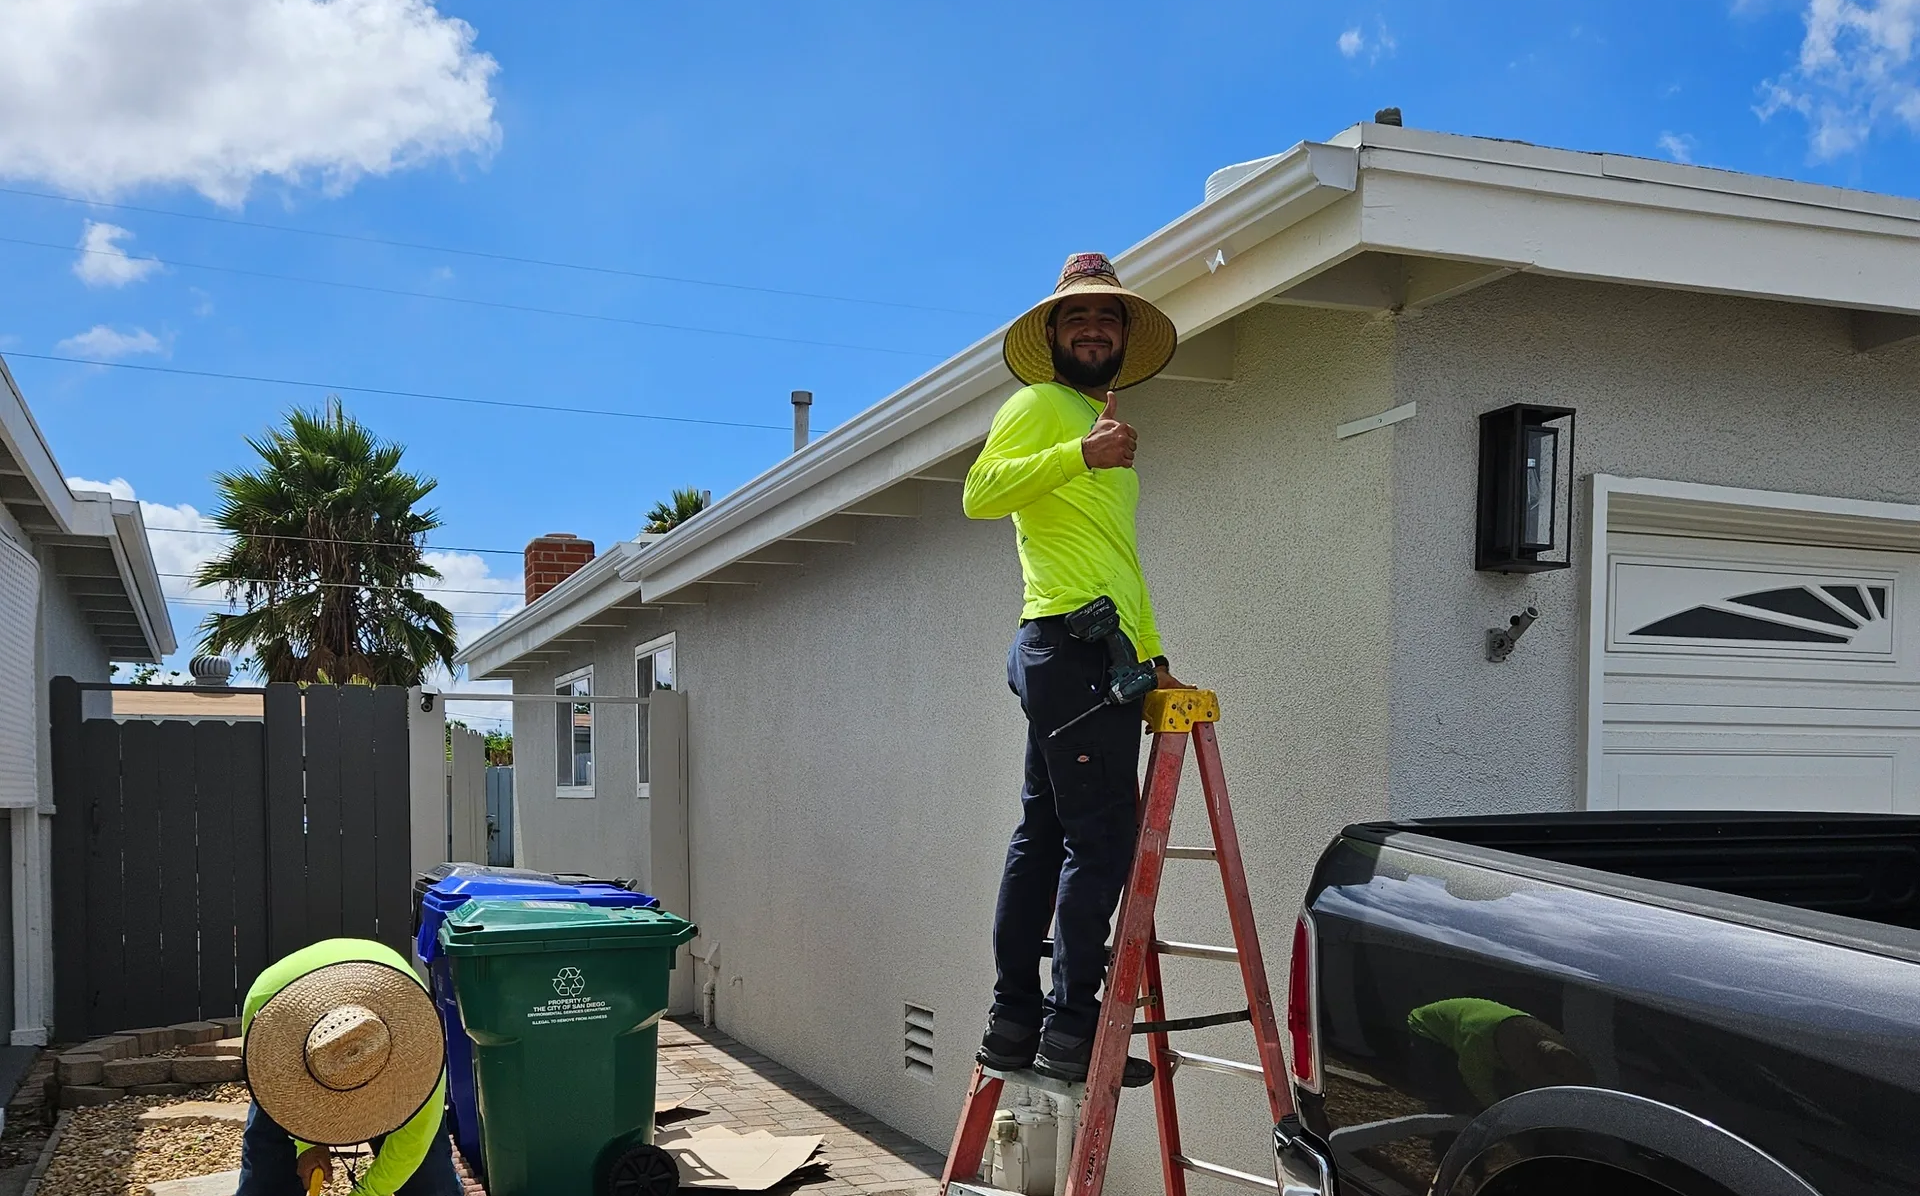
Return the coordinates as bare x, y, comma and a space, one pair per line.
569, 982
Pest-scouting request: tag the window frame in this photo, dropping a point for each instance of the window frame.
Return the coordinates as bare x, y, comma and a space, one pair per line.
641, 752
561, 681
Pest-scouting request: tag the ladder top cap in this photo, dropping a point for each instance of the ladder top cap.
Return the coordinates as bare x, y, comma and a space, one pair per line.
1180, 709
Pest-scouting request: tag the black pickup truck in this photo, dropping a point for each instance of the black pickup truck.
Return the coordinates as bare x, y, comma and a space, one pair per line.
1577, 1004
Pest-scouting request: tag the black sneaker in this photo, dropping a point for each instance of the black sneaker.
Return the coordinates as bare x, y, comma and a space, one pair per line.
1069, 1059
1008, 1046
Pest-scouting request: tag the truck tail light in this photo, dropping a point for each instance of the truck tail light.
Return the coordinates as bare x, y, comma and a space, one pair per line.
1303, 1007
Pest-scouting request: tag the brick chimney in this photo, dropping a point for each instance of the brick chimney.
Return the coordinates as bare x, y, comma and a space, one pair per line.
553, 558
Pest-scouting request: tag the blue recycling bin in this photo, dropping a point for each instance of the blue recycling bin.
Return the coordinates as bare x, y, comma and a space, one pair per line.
438, 894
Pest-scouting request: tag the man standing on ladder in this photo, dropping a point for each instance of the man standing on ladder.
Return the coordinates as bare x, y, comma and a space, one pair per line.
1060, 461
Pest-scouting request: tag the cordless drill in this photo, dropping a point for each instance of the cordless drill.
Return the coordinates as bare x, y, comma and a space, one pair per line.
1128, 679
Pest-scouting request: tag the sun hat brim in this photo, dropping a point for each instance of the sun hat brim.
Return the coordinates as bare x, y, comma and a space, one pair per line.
1151, 338
276, 1064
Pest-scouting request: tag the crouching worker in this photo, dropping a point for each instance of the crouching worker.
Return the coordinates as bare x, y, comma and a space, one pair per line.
343, 1047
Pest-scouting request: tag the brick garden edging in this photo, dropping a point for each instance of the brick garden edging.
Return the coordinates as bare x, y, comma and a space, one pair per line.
132, 1062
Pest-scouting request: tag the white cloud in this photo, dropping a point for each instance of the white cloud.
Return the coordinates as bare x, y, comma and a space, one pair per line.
202, 302
102, 341
1678, 146
100, 96
103, 263
1856, 73
1355, 42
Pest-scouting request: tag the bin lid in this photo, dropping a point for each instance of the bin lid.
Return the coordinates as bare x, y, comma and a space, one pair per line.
492, 925
451, 892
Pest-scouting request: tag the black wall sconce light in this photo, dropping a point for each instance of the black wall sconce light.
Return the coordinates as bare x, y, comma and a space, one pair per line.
1525, 516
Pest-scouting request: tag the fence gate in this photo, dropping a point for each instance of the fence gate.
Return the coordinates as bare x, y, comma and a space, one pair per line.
189, 854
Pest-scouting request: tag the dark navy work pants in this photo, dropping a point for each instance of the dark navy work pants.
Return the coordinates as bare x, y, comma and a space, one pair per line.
267, 1157
1074, 846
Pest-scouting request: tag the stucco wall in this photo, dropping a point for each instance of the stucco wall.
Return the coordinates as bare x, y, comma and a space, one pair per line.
1693, 388
855, 753
605, 835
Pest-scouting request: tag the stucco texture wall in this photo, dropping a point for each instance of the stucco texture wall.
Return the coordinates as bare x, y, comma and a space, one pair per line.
855, 753
606, 834
1685, 387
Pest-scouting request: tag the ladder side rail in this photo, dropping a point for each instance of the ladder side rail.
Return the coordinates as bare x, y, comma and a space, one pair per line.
1246, 934
969, 1150
1165, 1110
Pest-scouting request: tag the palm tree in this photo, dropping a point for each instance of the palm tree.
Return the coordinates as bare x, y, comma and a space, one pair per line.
326, 547
673, 512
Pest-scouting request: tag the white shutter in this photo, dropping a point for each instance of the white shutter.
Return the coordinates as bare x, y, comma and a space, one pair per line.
19, 677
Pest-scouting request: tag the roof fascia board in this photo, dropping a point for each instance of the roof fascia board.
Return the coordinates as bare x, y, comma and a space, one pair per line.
1546, 159
29, 447
1619, 231
97, 525
1291, 187
1682, 190
143, 577
591, 589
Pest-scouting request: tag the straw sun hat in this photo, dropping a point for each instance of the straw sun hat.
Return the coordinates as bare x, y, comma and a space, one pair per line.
346, 1053
1151, 338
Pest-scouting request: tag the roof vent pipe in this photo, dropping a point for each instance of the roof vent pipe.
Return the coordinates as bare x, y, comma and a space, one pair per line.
802, 404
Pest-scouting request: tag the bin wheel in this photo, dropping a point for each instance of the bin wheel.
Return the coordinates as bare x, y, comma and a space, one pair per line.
644, 1171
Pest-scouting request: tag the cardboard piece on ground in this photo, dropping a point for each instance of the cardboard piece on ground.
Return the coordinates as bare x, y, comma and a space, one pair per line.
222, 1184
713, 1156
197, 1110
668, 1104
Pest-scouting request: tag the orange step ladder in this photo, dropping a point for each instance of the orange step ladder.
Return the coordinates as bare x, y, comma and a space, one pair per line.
1174, 717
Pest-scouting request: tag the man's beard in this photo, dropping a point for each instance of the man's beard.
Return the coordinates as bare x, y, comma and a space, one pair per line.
1080, 375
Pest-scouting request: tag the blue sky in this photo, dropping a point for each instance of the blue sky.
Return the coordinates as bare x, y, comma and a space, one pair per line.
928, 165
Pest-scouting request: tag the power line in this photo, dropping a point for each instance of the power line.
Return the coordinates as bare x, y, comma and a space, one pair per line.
402, 394
345, 585
462, 614
519, 307
209, 531
496, 257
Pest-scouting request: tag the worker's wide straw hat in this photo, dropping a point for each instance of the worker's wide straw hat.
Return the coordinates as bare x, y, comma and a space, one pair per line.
1151, 338
346, 1053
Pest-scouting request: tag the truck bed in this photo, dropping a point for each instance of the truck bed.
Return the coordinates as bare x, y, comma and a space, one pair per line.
1861, 866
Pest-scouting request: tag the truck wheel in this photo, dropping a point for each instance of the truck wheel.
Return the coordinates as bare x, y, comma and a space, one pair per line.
644, 1171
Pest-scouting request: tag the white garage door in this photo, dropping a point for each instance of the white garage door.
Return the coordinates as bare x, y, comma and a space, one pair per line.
19, 689
1750, 676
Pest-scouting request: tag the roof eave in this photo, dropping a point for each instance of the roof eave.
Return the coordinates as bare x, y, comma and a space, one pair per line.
23, 441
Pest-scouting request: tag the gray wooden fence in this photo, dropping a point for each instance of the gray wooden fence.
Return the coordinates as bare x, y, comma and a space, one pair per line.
190, 854
500, 814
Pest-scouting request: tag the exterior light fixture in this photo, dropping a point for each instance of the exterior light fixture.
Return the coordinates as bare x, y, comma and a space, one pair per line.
1525, 517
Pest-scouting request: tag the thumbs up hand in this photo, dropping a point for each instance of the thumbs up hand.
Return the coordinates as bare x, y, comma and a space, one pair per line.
1111, 444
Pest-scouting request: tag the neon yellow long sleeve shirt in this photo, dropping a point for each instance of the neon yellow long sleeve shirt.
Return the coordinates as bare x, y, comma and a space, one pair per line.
1074, 525
402, 1151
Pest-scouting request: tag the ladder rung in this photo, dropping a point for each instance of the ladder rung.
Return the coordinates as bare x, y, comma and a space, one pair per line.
1192, 853
1230, 1067
1197, 951
1226, 1173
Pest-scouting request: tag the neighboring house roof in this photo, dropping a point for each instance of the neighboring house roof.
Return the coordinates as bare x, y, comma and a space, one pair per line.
96, 543
1380, 218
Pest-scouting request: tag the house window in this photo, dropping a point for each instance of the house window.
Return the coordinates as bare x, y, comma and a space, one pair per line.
653, 671
573, 734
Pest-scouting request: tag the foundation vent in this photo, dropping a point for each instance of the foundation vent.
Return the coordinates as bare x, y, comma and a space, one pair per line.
919, 1042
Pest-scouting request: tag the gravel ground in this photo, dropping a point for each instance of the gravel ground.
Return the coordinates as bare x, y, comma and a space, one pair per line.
107, 1152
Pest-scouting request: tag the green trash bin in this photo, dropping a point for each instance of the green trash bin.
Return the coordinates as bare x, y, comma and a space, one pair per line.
563, 1002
